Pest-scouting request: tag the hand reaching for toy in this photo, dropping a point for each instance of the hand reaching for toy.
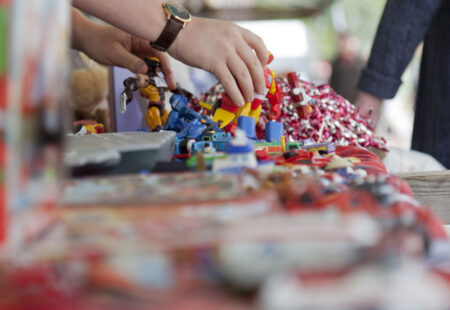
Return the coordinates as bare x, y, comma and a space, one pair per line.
108, 45
236, 56
369, 105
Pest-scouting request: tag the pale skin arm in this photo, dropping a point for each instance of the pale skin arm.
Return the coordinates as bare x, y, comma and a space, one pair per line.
368, 104
236, 56
110, 46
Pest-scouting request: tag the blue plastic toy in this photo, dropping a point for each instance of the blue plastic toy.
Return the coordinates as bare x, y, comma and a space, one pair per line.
186, 121
218, 139
192, 129
274, 131
247, 124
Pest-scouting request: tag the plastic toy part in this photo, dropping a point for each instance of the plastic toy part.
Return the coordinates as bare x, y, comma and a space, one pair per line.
219, 139
223, 117
206, 105
244, 111
178, 102
299, 97
294, 83
154, 118
226, 113
231, 128
283, 144
82, 128
256, 107
274, 131
192, 130
240, 155
275, 99
151, 87
186, 121
247, 125
322, 148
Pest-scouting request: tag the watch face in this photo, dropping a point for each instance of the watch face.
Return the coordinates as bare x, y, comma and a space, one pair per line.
178, 11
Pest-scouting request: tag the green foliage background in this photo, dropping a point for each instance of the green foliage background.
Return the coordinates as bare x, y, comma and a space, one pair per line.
3, 30
362, 18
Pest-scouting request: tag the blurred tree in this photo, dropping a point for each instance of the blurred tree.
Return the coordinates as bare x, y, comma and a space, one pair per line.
360, 18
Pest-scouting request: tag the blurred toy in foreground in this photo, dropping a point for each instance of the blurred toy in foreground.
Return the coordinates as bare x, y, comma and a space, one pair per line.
152, 87
82, 128
240, 155
161, 238
387, 285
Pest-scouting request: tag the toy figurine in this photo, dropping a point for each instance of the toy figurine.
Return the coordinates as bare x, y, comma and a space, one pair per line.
299, 96
152, 87
228, 112
185, 120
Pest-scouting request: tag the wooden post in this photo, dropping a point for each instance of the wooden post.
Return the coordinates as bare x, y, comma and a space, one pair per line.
431, 189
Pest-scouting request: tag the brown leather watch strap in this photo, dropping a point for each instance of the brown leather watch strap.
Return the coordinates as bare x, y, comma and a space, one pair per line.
168, 35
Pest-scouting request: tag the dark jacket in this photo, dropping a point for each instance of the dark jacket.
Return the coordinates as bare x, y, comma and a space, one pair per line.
406, 23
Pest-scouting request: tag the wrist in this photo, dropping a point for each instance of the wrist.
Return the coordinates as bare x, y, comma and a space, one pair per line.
81, 25
371, 98
185, 35
177, 18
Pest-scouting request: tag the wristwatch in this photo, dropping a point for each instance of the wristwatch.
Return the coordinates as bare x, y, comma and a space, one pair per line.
177, 18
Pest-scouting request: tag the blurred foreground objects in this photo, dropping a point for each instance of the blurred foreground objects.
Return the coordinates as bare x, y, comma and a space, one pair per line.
38, 36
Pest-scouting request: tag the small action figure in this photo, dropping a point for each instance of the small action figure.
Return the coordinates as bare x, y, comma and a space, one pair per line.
302, 101
228, 112
152, 87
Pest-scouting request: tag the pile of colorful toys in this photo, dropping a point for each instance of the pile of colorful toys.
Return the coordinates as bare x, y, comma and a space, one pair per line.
307, 111
207, 147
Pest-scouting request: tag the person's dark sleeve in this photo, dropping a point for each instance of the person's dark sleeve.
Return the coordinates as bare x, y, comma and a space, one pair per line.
403, 26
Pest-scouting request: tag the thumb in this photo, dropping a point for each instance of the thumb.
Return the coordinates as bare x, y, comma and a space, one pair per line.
129, 61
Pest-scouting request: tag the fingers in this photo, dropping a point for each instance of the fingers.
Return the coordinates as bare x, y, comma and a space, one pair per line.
229, 84
143, 49
255, 68
125, 59
248, 68
166, 68
242, 75
370, 106
256, 43
168, 74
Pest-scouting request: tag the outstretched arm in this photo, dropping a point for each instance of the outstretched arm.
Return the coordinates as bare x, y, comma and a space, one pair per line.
236, 56
142, 18
109, 45
403, 26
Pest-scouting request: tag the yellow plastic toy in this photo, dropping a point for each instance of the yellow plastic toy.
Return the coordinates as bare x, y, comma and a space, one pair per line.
152, 87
